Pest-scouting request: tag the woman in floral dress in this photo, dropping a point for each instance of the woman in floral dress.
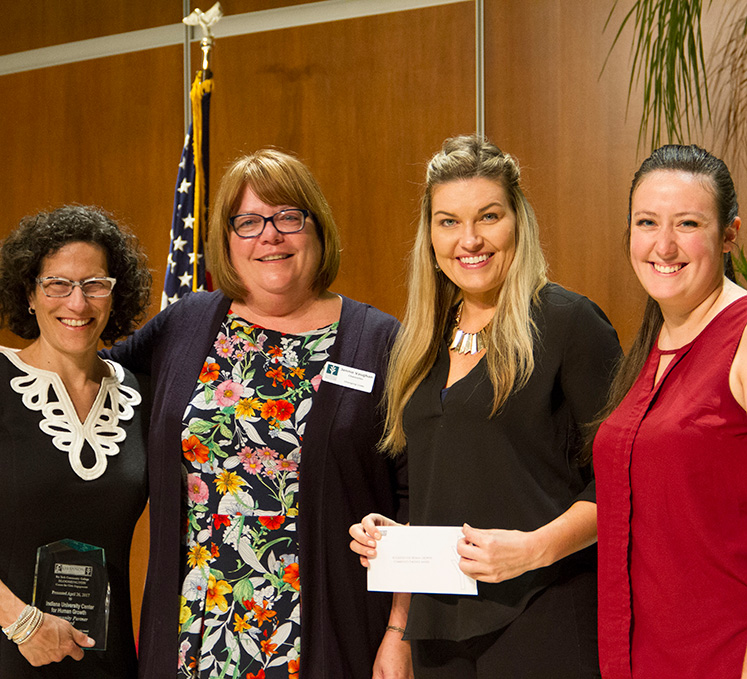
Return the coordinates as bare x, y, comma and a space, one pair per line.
267, 417
242, 450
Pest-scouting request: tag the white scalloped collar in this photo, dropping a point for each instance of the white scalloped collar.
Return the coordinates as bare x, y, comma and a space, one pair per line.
60, 421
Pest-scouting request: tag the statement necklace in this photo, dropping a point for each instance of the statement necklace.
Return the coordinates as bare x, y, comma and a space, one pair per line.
467, 342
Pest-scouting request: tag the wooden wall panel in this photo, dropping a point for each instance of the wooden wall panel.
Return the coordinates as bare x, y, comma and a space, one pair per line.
241, 6
548, 105
42, 23
105, 132
365, 102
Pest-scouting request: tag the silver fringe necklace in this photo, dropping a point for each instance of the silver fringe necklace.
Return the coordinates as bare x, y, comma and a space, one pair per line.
467, 342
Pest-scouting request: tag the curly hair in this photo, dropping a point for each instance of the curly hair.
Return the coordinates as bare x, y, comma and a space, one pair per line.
41, 235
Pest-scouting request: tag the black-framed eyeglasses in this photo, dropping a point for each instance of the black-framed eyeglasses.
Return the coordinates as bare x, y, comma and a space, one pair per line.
251, 225
96, 287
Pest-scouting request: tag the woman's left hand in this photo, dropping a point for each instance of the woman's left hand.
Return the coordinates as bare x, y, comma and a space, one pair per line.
495, 555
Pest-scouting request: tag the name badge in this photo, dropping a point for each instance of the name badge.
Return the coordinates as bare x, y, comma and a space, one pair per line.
345, 376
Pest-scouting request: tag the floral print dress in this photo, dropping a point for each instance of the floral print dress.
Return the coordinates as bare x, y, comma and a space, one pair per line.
241, 442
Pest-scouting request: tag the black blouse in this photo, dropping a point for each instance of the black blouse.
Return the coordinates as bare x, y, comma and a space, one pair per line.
517, 470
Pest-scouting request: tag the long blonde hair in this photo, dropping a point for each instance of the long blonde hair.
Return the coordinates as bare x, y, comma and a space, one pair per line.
432, 296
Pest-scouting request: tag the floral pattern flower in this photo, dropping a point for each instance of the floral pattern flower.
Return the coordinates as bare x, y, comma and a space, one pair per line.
209, 372
197, 489
215, 594
241, 441
228, 393
194, 450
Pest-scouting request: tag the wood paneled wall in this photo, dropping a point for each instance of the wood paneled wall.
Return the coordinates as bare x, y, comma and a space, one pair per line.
549, 105
365, 102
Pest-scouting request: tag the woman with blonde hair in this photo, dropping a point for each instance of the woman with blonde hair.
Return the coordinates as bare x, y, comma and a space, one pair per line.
264, 438
491, 408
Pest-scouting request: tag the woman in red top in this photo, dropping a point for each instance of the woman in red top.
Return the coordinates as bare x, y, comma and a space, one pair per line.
671, 460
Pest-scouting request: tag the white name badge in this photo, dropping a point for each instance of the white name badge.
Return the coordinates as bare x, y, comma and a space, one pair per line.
345, 376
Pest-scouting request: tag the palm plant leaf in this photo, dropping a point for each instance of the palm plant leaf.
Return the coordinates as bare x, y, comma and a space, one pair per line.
668, 61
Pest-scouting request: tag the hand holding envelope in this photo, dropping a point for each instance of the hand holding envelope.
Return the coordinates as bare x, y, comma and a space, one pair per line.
410, 558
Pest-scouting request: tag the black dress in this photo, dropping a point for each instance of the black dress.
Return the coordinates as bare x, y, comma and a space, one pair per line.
517, 470
45, 500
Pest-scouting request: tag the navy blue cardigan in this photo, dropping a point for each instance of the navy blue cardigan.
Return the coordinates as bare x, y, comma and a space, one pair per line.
343, 478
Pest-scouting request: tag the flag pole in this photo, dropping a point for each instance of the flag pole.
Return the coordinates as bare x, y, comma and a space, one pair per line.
185, 269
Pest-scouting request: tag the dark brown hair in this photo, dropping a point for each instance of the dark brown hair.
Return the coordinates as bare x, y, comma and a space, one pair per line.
41, 235
717, 178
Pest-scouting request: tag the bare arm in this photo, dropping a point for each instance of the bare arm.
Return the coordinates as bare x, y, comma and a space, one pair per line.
495, 555
393, 659
738, 373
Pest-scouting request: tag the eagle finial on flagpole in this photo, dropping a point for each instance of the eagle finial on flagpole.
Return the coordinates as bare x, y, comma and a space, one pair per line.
205, 20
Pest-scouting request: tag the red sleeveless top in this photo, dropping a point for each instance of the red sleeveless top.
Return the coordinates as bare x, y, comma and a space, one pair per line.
671, 470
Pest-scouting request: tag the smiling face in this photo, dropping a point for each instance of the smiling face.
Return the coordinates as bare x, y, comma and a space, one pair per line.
676, 244
72, 325
473, 232
275, 263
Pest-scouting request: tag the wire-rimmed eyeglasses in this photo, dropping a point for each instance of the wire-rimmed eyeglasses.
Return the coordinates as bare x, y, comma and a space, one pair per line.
96, 287
251, 225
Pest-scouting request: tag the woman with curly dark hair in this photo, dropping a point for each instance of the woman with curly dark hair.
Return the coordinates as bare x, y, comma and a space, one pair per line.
71, 425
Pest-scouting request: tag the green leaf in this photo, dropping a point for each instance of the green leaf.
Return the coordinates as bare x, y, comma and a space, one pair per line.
200, 427
260, 552
740, 264
668, 63
243, 591
217, 450
187, 624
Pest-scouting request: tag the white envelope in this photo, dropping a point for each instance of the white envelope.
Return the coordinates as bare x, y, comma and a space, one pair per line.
419, 559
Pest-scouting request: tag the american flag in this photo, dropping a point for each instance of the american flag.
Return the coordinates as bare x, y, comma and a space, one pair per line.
185, 268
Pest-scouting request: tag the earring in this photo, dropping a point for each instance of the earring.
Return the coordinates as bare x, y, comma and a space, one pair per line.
438, 268
32, 311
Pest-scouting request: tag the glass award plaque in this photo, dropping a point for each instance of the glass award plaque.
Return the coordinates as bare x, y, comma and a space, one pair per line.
71, 582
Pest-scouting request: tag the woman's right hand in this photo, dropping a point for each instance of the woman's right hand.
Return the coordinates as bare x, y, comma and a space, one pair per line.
365, 534
54, 640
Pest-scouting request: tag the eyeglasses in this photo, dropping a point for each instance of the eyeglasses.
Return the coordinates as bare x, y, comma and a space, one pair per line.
96, 287
251, 225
